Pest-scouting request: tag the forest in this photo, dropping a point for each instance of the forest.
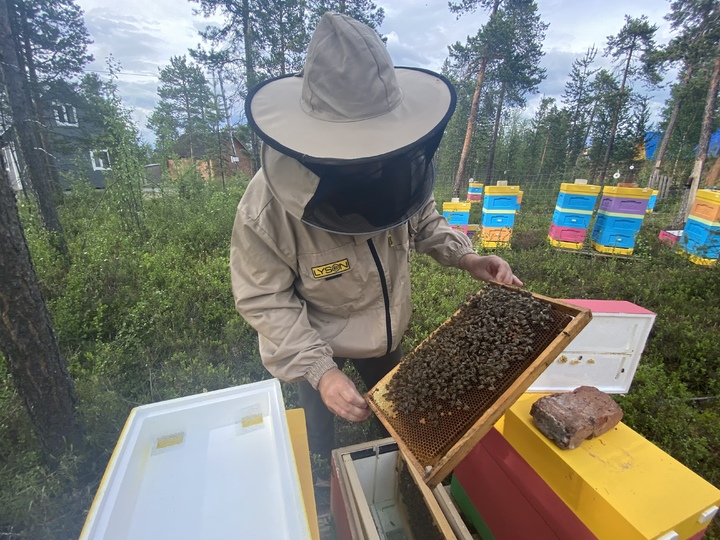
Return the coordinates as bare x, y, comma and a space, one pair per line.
117, 294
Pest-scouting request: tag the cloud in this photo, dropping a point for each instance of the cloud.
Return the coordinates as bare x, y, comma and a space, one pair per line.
143, 34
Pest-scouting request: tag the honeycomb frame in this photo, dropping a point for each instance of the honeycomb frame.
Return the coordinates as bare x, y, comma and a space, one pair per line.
433, 449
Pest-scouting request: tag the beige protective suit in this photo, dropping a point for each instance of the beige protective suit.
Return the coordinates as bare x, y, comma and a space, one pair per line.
313, 294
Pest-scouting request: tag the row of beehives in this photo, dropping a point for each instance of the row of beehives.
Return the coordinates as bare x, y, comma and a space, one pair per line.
500, 204
617, 221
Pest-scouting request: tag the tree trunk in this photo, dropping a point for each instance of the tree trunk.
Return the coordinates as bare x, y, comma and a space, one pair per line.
703, 145
616, 118
27, 339
236, 163
27, 136
542, 158
460, 175
217, 130
250, 74
51, 169
586, 135
496, 129
655, 175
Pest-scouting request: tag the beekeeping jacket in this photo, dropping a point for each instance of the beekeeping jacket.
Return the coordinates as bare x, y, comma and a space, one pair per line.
313, 294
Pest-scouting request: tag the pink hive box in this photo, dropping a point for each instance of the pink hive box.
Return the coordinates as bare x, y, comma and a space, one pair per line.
567, 234
670, 237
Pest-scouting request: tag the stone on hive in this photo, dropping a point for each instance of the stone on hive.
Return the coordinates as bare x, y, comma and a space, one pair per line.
570, 418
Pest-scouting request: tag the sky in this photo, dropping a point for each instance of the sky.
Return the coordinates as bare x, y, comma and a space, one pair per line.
142, 35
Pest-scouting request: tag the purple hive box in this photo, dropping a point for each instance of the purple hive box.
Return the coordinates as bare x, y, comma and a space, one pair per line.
623, 205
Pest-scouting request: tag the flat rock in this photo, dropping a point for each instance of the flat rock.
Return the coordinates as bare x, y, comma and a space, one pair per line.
570, 418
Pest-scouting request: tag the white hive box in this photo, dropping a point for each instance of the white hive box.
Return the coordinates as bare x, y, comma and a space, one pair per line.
366, 499
213, 465
605, 354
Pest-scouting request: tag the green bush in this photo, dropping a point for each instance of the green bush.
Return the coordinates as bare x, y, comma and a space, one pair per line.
147, 315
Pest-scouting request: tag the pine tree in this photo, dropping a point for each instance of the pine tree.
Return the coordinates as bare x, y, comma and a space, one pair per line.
698, 46
509, 45
633, 52
578, 100
51, 43
185, 106
365, 11
24, 122
28, 341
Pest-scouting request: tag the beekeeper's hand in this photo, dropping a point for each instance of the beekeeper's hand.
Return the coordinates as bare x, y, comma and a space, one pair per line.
488, 268
339, 394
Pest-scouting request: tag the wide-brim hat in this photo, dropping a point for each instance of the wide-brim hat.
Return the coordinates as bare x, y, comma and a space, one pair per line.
349, 103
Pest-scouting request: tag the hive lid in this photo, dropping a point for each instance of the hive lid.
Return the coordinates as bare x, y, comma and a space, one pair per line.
212, 465
708, 195
584, 189
629, 192
433, 442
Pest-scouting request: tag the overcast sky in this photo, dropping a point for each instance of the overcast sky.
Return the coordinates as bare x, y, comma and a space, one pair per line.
143, 34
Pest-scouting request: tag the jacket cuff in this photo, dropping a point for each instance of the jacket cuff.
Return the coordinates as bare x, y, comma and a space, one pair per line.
318, 369
461, 252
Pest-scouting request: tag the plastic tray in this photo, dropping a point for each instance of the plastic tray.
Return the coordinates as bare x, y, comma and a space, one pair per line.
213, 465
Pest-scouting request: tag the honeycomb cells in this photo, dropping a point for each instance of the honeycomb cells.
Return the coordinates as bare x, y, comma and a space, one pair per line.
443, 386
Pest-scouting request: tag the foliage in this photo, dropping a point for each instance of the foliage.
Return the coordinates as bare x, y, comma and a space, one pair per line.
148, 318
54, 35
185, 107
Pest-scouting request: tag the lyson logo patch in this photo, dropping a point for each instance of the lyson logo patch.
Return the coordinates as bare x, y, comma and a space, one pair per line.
332, 269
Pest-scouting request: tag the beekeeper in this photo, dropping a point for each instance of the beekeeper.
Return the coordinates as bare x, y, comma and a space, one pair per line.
320, 252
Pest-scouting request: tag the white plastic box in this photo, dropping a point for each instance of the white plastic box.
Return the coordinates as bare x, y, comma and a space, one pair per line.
366, 501
213, 465
605, 354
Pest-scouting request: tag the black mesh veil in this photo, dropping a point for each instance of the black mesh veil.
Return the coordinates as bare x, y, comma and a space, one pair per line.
372, 197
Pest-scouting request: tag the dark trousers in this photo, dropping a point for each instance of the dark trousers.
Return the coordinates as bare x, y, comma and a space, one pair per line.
320, 422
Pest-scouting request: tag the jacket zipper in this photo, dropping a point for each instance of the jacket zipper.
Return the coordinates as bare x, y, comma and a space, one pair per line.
386, 296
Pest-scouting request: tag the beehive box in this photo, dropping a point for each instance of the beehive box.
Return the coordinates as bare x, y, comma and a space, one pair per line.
619, 484
519, 504
605, 354
374, 495
476, 364
213, 465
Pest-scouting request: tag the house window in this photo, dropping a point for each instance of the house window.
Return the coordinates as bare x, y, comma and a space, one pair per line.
100, 160
65, 115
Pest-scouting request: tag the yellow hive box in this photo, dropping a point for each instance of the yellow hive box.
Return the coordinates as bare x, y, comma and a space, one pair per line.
502, 190
700, 261
627, 192
493, 234
564, 245
612, 250
456, 206
584, 189
619, 484
487, 244
475, 184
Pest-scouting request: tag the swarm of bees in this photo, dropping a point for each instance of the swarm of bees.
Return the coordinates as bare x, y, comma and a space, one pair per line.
492, 332
419, 516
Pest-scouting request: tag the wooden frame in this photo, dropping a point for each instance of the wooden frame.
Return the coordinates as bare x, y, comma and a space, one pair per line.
433, 474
